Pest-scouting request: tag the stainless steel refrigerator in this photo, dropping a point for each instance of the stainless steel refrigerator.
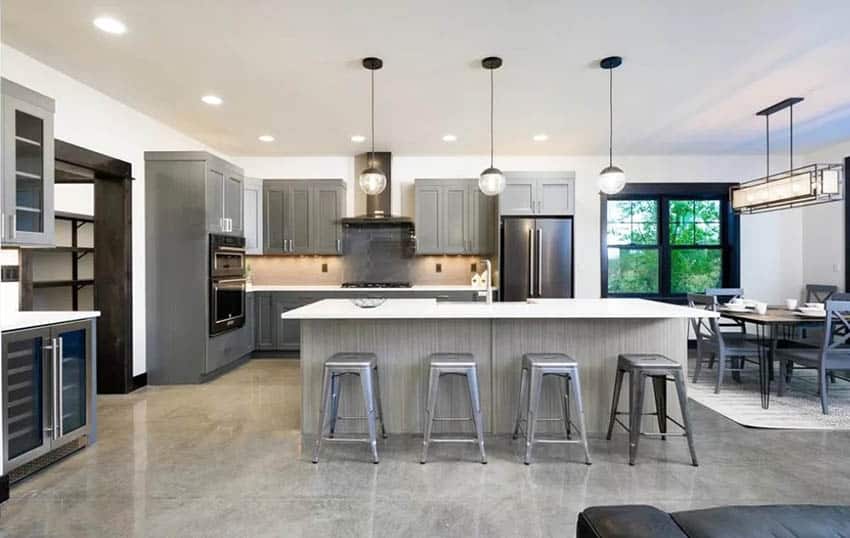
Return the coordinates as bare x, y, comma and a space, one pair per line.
536, 258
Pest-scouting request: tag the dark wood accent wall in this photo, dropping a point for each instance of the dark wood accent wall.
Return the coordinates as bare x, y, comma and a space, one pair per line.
846, 226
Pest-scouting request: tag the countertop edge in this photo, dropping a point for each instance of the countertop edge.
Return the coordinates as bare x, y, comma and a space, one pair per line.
17, 321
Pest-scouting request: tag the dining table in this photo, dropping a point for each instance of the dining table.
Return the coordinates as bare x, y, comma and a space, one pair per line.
775, 324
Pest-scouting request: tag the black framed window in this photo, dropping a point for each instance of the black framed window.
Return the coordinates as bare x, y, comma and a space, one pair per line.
664, 240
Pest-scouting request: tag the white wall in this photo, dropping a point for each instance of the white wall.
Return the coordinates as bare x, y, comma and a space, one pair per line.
90, 119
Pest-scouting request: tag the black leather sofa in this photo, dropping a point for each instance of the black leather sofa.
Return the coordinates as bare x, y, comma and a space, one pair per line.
772, 521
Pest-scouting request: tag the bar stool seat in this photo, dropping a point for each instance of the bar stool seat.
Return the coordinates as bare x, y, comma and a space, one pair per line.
660, 370
365, 366
462, 364
536, 366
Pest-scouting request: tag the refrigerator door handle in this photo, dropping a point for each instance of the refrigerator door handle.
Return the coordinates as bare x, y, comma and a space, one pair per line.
531, 262
540, 262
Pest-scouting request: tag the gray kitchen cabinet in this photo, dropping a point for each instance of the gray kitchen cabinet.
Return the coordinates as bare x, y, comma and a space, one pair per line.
28, 167
224, 197
233, 203
253, 215
453, 217
264, 322
538, 193
303, 216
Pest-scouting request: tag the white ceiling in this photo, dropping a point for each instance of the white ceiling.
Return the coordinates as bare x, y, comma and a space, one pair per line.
693, 75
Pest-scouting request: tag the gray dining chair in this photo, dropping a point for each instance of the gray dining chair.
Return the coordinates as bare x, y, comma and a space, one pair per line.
731, 350
833, 353
819, 293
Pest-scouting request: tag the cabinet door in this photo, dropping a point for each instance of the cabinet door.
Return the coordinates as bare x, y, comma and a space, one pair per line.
27, 381
264, 322
276, 209
233, 186
28, 166
555, 196
288, 335
74, 383
428, 218
253, 216
215, 198
301, 208
329, 200
518, 198
455, 219
482, 216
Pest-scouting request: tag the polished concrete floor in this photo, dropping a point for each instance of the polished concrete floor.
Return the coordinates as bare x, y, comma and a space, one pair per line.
225, 459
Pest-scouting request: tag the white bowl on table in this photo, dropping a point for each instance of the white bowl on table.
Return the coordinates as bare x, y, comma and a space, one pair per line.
735, 307
813, 306
811, 311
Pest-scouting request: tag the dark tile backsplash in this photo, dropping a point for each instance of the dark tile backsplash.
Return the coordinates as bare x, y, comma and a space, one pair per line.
378, 253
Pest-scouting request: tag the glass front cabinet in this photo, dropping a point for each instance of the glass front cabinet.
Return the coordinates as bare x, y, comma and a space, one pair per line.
28, 166
47, 386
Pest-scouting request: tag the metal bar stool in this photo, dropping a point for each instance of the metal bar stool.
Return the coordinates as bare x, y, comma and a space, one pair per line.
441, 364
365, 366
535, 366
658, 368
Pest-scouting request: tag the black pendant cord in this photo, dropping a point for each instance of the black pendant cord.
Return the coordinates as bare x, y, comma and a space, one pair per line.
491, 119
610, 117
372, 163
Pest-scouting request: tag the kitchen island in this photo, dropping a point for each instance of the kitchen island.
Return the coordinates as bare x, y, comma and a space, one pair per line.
404, 332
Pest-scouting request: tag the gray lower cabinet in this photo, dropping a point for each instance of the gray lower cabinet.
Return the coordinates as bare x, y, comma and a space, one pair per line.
453, 217
538, 193
303, 216
26, 214
48, 390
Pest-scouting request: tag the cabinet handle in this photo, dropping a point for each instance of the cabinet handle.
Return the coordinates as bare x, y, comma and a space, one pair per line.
57, 418
339, 245
52, 349
13, 225
61, 397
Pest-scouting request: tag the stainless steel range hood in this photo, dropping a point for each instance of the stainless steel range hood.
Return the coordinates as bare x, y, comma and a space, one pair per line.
377, 206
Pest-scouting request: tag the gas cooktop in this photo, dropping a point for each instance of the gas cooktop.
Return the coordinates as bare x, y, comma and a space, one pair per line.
376, 285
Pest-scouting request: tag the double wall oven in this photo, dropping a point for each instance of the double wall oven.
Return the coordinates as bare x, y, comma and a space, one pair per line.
227, 283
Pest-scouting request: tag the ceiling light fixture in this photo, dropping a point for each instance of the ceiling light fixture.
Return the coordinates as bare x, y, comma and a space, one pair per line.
265, 138
213, 100
492, 180
449, 138
358, 139
372, 179
612, 179
110, 25
540, 137
795, 187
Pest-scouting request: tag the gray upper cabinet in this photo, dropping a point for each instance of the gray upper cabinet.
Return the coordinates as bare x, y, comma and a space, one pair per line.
538, 193
28, 167
453, 217
303, 216
253, 215
233, 204
224, 187
215, 198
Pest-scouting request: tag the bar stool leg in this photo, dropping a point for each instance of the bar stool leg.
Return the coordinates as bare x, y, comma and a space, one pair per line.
686, 420
574, 379
523, 379
326, 395
565, 403
369, 400
659, 390
477, 418
637, 380
618, 384
378, 402
534, 385
335, 389
430, 407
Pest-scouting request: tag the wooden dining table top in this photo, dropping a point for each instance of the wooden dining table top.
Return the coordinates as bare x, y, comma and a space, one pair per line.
776, 315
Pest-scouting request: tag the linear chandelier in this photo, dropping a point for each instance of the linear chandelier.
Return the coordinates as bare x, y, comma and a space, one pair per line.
796, 187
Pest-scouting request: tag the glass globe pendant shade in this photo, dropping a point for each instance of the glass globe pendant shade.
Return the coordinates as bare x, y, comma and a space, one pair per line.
491, 182
612, 180
373, 181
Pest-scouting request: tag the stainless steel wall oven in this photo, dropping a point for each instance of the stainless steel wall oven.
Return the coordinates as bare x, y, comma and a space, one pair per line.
227, 283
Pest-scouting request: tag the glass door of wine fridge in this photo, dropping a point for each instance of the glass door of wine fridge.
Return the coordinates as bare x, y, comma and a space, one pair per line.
73, 350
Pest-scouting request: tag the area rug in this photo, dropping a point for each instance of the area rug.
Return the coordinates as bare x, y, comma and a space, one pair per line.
798, 409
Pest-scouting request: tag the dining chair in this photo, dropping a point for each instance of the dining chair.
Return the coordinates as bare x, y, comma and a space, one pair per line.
833, 353
732, 348
724, 295
819, 293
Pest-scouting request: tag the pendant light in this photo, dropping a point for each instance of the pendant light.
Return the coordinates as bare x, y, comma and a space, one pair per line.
492, 180
372, 179
612, 179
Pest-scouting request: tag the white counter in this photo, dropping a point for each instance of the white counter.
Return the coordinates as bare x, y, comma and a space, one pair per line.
26, 320
337, 287
534, 309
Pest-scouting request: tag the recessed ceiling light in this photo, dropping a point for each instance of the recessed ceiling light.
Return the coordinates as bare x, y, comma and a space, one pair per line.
212, 100
358, 139
110, 25
265, 138
541, 137
449, 138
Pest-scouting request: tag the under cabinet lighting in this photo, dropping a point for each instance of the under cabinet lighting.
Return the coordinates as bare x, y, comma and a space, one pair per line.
110, 25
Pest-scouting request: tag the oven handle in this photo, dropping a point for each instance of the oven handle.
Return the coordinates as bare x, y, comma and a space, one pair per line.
231, 249
228, 281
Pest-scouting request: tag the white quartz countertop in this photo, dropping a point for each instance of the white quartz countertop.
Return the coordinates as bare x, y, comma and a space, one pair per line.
377, 291
13, 321
534, 309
